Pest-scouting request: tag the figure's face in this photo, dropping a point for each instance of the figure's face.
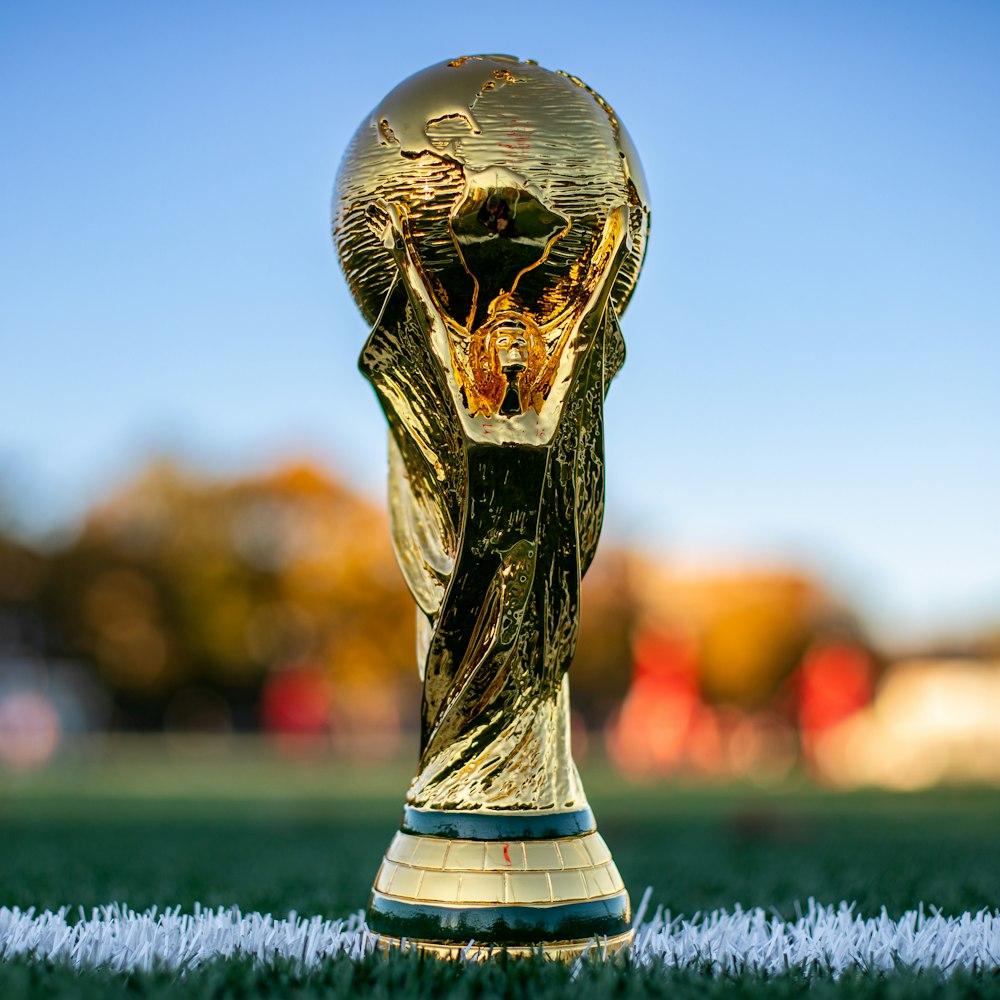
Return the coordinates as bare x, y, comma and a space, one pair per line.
510, 339
512, 350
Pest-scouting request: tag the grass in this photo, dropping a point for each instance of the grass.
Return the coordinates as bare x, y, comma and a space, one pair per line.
415, 979
155, 825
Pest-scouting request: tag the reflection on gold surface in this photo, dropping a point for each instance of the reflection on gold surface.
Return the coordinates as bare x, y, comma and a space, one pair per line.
461, 887
559, 950
491, 220
483, 855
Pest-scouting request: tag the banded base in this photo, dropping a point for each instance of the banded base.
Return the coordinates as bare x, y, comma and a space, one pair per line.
514, 882
559, 951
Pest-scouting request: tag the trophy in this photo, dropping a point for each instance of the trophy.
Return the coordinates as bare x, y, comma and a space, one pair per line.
491, 218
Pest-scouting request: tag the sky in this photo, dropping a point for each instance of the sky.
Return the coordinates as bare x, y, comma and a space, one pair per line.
813, 367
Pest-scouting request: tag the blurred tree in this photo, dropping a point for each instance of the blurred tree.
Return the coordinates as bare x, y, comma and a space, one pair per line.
179, 589
174, 581
196, 598
756, 636
749, 628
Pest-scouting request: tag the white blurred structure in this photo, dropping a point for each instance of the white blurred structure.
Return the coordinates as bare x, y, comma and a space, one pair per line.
932, 721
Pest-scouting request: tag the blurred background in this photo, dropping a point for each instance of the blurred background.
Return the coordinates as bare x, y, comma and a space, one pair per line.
800, 568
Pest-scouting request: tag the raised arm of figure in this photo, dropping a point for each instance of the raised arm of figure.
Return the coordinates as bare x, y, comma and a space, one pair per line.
580, 325
390, 222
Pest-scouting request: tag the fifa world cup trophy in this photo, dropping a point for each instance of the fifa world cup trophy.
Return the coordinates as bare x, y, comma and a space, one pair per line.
491, 219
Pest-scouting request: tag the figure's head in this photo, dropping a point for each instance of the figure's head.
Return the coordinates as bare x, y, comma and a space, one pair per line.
506, 351
512, 351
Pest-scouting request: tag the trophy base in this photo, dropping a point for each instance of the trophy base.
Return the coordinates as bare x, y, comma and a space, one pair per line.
559, 951
480, 883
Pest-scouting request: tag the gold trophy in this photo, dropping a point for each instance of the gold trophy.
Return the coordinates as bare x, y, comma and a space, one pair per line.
491, 219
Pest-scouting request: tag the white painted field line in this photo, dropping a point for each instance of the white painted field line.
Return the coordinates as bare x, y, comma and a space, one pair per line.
824, 937
119, 938
832, 938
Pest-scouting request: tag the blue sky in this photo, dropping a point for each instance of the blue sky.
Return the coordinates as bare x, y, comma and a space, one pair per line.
814, 346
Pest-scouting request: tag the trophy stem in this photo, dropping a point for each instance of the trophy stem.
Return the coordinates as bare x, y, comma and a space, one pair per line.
473, 883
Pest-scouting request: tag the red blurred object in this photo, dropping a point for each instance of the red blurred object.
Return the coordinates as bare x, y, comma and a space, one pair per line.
665, 662
650, 732
298, 700
835, 681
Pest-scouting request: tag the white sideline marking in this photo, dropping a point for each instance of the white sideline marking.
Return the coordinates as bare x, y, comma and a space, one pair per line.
832, 938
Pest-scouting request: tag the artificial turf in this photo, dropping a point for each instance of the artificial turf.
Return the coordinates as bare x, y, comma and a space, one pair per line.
408, 976
308, 836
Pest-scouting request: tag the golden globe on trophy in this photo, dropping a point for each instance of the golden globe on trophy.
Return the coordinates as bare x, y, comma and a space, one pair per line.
491, 219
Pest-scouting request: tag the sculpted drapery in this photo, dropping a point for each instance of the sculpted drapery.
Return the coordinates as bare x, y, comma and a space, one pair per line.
495, 519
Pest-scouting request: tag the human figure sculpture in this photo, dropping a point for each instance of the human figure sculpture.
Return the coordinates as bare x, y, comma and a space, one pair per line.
491, 352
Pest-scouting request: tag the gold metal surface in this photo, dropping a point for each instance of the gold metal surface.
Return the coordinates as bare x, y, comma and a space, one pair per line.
456, 887
466, 872
556, 950
477, 855
491, 219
